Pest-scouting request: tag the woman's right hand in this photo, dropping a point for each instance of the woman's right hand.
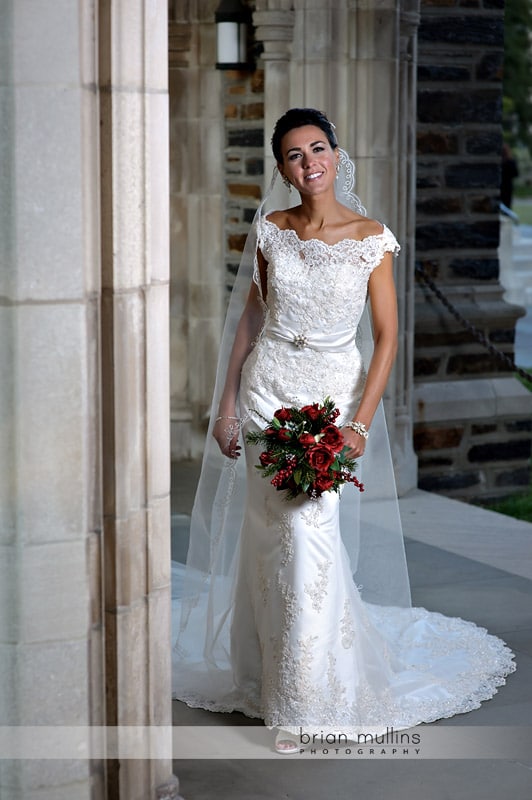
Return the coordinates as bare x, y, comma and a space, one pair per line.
226, 431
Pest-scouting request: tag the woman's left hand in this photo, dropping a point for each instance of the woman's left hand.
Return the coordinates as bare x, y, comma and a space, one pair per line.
226, 431
355, 442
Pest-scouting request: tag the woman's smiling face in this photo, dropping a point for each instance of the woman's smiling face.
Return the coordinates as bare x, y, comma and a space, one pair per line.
309, 161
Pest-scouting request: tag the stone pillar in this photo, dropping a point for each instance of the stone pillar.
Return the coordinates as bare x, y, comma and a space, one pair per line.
243, 161
49, 384
135, 558
404, 457
274, 28
197, 213
383, 114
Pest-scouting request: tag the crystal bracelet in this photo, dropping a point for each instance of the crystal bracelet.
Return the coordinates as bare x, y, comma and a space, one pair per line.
357, 427
237, 419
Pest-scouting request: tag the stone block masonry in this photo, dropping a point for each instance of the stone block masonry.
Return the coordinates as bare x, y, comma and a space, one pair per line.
459, 137
244, 161
474, 461
475, 449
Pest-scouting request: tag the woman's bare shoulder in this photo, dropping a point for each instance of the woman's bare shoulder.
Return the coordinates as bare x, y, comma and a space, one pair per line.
361, 227
279, 218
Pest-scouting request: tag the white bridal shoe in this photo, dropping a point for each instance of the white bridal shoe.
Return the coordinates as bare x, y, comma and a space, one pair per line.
286, 744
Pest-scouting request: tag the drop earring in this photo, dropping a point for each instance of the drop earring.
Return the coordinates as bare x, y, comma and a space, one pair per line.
287, 183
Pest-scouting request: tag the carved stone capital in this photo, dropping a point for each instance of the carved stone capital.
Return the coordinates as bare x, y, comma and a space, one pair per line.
275, 30
409, 23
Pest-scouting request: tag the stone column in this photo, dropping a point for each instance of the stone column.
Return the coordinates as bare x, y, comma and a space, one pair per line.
133, 64
49, 384
274, 23
196, 234
382, 123
404, 457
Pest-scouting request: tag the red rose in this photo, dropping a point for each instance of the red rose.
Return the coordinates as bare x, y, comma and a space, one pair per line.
284, 434
332, 436
266, 458
313, 412
323, 483
270, 432
307, 440
283, 414
320, 457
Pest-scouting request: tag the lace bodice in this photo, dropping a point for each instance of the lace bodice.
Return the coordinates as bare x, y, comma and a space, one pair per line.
317, 286
316, 294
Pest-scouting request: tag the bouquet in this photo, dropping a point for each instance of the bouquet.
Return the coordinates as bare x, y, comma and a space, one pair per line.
305, 451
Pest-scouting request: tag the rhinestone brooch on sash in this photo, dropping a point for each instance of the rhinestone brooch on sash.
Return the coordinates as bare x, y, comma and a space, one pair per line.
300, 341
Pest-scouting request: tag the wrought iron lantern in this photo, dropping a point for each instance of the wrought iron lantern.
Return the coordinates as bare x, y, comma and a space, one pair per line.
232, 19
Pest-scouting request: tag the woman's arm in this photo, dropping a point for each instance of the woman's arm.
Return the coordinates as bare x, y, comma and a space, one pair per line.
226, 430
383, 301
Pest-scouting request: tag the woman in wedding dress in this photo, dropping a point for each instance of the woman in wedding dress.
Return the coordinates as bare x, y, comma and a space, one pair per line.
298, 611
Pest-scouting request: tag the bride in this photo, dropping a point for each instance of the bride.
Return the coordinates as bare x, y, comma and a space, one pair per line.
298, 611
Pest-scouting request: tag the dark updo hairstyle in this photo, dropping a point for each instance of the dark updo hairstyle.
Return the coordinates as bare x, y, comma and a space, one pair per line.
297, 118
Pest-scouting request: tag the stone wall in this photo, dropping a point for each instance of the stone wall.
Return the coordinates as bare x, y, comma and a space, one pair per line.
459, 141
243, 160
196, 228
477, 442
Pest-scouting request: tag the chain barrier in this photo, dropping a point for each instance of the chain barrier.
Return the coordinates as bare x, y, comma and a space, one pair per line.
470, 328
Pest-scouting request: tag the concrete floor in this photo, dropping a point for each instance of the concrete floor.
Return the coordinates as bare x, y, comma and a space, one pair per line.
463, 561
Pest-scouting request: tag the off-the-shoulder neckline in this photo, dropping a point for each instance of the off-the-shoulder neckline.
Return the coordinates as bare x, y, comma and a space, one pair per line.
340, 241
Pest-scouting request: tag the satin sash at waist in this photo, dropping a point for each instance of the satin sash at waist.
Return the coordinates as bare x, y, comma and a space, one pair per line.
330, 341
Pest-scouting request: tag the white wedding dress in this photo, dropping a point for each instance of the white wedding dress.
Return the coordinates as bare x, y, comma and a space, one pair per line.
301, 643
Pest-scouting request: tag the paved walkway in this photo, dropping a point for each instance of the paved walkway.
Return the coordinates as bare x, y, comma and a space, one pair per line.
463, 561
